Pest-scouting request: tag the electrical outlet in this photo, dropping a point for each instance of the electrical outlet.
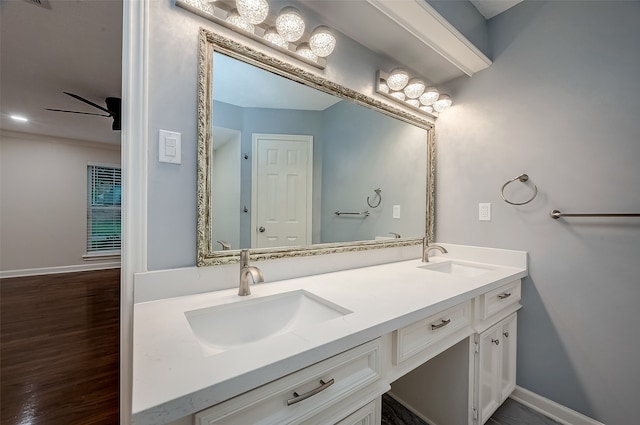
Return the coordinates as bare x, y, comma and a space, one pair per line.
484, 212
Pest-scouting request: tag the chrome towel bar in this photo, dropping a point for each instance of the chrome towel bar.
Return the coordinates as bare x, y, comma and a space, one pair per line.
555, 214
363, 213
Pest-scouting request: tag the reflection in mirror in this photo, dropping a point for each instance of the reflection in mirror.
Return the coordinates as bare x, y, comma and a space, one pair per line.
278, 159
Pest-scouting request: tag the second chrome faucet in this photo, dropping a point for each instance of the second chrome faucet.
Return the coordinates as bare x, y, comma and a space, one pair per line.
426, 248
247, 271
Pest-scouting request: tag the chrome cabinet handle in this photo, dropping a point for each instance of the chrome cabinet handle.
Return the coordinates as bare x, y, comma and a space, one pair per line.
261, 229
506, 334
504, 296
299, 397
442, 324
495, 341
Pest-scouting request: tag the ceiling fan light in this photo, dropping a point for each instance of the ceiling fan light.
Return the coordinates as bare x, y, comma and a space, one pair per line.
305, 51
414, 88
398, 79
429, 96
290, 24
236, 20
443, 103
272, 36
322, 41
254, 11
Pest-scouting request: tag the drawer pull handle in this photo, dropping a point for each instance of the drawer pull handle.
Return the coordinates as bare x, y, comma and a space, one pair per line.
299, 397
442, 324
506, 334
504, 296
495, 341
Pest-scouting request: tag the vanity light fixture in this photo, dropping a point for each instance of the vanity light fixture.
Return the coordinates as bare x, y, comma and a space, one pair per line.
285, 32
399, 86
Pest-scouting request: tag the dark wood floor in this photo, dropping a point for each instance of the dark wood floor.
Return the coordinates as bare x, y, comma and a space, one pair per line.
59, 349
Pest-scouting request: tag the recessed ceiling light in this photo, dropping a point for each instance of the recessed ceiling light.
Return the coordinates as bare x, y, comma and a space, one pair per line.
19, 118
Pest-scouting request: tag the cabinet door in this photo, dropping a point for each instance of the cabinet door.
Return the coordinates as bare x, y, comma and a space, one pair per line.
508, 373
367, 415
489, 373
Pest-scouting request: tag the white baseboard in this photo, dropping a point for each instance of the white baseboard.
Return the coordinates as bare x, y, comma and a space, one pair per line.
551, 409
410, 408
60, 269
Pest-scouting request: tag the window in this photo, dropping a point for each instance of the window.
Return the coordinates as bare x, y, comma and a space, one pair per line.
103, 212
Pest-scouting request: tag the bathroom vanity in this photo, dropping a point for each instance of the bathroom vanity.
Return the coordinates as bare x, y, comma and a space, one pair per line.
324, 348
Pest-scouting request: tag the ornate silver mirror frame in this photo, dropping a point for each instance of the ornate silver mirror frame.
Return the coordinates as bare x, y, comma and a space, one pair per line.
210, 42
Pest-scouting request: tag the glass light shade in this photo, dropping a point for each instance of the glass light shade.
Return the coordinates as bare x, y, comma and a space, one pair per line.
322, 41
443, 103
272, 36
413, 102
236, 20
203, 5
398, 79
305, 51
429, 96
428, 109
414, 88
398, 95
254, 11
383, 87
290, 24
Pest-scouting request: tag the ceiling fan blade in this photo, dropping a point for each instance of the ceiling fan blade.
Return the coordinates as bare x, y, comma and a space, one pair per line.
82, 99
77, 112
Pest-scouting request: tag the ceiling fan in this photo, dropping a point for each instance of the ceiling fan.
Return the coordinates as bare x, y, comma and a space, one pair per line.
112, 110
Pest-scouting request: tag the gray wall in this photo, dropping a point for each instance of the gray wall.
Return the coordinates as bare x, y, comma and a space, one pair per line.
560, 103
364, 150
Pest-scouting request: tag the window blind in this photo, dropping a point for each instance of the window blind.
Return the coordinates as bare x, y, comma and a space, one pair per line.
104, 209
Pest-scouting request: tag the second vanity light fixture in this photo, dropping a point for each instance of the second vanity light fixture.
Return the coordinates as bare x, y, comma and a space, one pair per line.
410, 91
286, 32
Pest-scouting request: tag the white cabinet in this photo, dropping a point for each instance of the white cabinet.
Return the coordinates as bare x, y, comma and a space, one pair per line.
324, 393
496, 366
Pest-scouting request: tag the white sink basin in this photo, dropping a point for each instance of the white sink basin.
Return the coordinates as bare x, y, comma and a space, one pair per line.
457, 268
220, 328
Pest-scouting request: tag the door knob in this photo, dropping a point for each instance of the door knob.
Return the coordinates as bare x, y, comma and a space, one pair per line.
261, 229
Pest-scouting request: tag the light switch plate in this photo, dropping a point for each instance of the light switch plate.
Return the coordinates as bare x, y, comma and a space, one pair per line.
484, 212
170, 147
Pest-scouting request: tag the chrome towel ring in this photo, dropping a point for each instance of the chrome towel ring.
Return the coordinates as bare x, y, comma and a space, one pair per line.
377, 191
522, 178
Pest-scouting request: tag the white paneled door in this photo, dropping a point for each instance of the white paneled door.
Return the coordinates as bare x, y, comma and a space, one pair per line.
281, 190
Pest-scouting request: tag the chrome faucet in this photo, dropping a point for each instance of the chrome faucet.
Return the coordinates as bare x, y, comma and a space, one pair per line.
245, 271
426, 248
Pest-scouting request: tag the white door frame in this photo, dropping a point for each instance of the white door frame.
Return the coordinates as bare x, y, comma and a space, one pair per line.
254, 178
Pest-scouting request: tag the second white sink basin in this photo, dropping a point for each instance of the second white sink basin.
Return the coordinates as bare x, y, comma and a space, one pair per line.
220, 328
457, 268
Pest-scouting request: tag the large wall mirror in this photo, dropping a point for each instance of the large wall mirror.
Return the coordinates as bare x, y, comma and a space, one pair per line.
291, 164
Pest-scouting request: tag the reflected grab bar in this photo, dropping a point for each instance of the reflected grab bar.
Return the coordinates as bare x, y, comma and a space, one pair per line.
555, 214
363, 213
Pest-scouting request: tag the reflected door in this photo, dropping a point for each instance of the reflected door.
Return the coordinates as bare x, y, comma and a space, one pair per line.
281, 190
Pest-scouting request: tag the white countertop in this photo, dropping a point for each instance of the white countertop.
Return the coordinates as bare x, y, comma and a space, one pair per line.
173, 377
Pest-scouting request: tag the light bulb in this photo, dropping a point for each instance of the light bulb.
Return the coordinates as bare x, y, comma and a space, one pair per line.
413, 102
398, 95
429, 96
415, 88
272, 36
305, 51
383, 87
443, 103
236, 20
428, 109
254, 11
398, 79
290, 24
322, 41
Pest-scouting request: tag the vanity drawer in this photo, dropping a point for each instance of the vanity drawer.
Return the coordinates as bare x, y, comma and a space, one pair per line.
425, 333
302, 394
499, 299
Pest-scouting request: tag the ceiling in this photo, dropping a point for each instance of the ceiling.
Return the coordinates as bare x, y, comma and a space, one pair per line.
75, 46
60, 45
